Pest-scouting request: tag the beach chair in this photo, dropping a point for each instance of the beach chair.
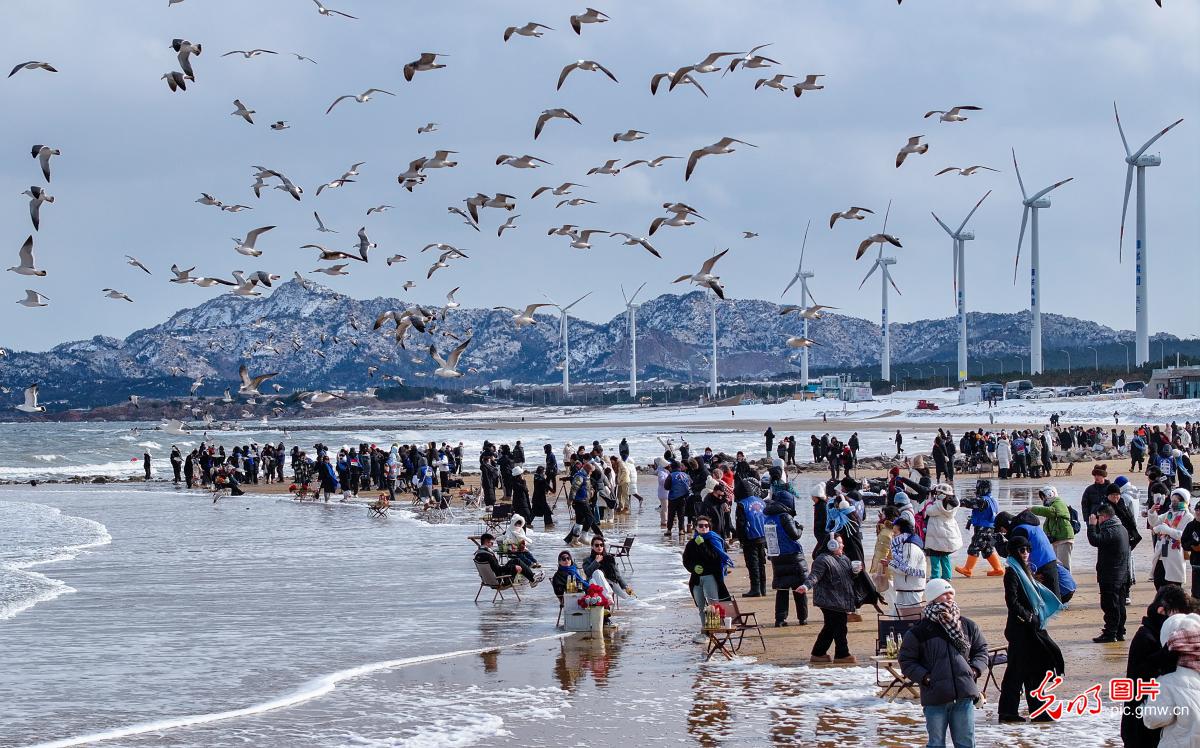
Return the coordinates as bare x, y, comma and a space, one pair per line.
911, 612
379, 508
471, 499
621, 551
1064, 472
561, 604
489, 579
996, 656
745, 623
889, 625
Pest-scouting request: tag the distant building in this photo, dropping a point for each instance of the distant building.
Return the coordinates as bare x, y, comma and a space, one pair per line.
1174, 383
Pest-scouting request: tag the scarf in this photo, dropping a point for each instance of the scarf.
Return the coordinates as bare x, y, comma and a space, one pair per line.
718, 545
948, 616
1041, 599
1186, 644
835, 518
573, 573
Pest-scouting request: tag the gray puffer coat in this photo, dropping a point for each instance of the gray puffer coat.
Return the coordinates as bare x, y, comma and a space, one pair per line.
926, 652
832, 583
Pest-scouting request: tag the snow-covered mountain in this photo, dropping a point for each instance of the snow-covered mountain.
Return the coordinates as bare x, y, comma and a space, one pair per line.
317, 338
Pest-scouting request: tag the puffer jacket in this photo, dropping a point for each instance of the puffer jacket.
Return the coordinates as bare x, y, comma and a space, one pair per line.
941, 525
1112, 553
832, 583
1177, 709
927, 652
908, 564
1003, 455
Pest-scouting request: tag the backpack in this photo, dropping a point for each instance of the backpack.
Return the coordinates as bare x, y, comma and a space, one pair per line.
919, 521
1075, 524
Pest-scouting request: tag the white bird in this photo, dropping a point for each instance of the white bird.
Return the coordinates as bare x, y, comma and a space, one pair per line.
27, 264
522, 318
185, 50
799, 341
207, 199
196, 385
427, 127
914, 145
181, 276
808, 84
43, 153
226, 398
952, 114
246, 246
582, 239
448, 366
609, 167
321, 226
301, 58
251, 384
634, 241
334, 184
562, 189
629, 136
575, 202
705, 277
590, 66
549, 114
520, 162
361, 98
752, 60
134, 400
855, 213
279, 125
964, 172
653, 164
508, 224
396, 258
440, 160
529, 29
670, 76
707, 65
248, 53
442, 261
33, 65
333, 270
718, 148
590, 15
114, 294
31, 401
379, 209
876, 239
812, 312
174, 427
330, 13
324, 397
242, 111
749, 235
427, 61
176, 81
775, 82
450, 302
33, 298
567, 229
301, 280
135, 262
235, 208
37, 196
408, 285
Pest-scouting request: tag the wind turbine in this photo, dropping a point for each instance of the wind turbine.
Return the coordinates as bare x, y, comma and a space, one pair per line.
1033, 205
881, 262
562, 330
1140, 161
960, 238
631, 311
806, 298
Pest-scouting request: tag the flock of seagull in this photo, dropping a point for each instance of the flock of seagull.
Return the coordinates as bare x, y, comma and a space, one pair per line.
425, 320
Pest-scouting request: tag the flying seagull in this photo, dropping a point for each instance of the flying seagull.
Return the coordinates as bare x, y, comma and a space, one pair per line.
329, 13
135, 262
181, 276
520, 162
508, 224
705, 276
246, 246
634, 241
43, 153
427, 127
114, 294
186, 50
529, 29
333, 270
855, 213
321, 226
808, 84
33, 298
876, 239
176, 81
31, 399
27, 265
280, 125
248, 53
670, 76
301, 58
550, 114
952, 114
522, 318
812, 312
914, 145
653, 164
37, 196
590, 66
250, 384
427, 61
575, 202
965, 172
379, 209
718, 148
590, 15
629, 136
33, 65
799, 341
448, 367
361, 98
242, 111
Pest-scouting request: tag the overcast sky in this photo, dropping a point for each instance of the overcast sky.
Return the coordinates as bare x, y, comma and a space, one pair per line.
136, 156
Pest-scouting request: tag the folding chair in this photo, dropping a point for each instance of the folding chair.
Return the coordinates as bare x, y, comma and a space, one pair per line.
379, 508
621, 551
471, 499
744, 623
996, 656
559, 621
489, 579
888, 625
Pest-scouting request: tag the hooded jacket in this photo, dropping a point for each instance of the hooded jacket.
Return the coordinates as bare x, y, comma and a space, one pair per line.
941, 525
1042, 552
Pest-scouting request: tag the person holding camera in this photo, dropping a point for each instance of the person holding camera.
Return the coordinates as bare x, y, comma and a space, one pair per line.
983, 526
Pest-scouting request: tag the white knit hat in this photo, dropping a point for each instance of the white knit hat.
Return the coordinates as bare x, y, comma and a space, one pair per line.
935, 588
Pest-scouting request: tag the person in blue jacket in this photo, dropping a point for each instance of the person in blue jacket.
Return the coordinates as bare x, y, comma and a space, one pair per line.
751, 533
789, 566
983, 524
1042, 559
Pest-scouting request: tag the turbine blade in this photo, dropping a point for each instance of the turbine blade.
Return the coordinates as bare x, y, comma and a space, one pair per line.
889, 277
1124, 210
811, 299
1018, 170
623, 296
803, 246
635, 293
954, 273
576, 301
964, 223
887, 213
791, 283
1121, 130
944, 226
1051, 188
1020, 239
1150, 142
874, 267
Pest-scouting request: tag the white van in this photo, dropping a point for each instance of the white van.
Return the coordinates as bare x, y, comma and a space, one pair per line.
1017, 389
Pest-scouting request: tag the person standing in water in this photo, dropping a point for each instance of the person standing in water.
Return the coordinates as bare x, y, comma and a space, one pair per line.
146, 463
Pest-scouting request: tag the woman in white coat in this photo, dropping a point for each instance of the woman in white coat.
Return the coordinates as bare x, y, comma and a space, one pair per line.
1003, 455
1176, 709
1167, 522
942, 536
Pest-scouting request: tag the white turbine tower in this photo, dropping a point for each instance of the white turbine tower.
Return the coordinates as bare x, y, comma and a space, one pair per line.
631, 311
882, 263
562, 330
960, 238
712, 383
806, 298
1033, 205
1140, 161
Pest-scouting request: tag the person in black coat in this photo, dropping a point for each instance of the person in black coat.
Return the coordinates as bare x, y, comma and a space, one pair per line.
520, 495
769, 436
146, 463
600, 559
1111, 541
1149, 659
487, 555
623, 450
1031, 651
1094, 495
705, 559
489, 479
541, 506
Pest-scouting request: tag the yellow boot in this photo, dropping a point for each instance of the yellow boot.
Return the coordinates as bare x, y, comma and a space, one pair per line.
966, 570
997, 567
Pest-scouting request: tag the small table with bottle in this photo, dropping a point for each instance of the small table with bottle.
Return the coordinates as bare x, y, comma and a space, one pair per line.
898, 685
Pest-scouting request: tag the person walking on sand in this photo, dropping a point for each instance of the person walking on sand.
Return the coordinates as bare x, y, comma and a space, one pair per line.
1031, 651
832, 583
945, 655
899, 443
983, 527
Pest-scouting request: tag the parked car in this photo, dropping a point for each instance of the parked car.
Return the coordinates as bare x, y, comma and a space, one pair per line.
1040, 393
927, 405
1017, 389
1135, 386
1080, 391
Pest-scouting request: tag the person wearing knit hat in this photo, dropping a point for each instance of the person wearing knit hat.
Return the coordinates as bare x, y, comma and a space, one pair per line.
1094, 495
1177, 706
1057, 522
1167, 522
983, 538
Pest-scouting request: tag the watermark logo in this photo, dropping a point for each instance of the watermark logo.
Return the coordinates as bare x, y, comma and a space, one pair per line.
1090, 701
